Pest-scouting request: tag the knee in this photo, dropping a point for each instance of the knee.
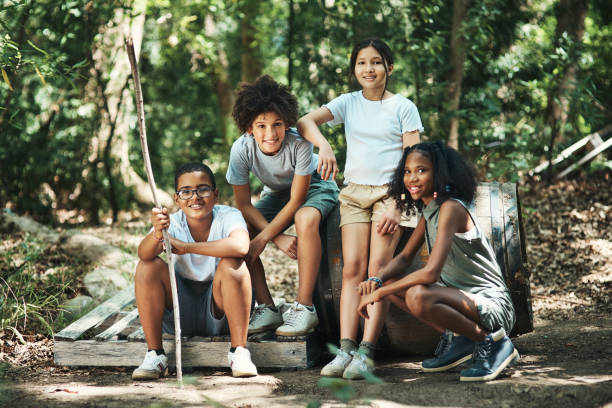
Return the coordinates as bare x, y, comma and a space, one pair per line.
150, 271
307, 219
419, 301
234, 269
354, 270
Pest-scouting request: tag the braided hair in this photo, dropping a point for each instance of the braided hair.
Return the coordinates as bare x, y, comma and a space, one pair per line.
453, 177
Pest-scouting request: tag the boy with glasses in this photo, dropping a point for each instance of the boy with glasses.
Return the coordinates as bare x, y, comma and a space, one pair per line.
213, 283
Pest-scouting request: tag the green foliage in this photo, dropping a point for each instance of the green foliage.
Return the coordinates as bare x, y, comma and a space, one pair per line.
34, 281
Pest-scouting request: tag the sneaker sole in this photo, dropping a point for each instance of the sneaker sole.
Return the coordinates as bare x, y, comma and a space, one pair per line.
264, 329
289, 334
511, 359
148, 375
448, 366
244, 374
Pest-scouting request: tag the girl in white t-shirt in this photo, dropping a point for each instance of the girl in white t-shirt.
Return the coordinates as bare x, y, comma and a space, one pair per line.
378, 125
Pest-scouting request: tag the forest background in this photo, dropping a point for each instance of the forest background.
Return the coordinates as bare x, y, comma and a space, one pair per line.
508, 83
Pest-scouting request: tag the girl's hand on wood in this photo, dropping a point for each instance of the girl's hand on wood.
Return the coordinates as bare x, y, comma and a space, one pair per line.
160, 220
390, 220
287, 244
327, 162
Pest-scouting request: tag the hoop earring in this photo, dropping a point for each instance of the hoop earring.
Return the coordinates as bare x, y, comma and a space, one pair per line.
403, 196
435, 195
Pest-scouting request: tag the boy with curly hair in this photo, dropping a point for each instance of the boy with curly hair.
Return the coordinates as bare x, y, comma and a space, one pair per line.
293, 193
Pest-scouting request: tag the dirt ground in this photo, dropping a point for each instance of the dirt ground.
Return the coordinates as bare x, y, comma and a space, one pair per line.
565, 361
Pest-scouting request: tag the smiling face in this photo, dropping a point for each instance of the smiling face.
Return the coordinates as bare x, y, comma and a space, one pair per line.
419, 177
370, 72
196, 207
269, 131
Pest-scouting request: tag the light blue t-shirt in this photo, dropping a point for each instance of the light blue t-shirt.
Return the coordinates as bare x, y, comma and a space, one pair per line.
202, 267
373, 132
275, 172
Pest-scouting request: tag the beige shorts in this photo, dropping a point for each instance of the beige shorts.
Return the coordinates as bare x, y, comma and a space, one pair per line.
363, 203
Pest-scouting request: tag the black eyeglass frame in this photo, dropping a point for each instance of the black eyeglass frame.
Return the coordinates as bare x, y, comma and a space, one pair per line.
202, 192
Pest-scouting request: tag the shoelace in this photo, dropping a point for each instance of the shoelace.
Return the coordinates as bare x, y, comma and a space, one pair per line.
259, 311
293, 315
443, 345
482, 351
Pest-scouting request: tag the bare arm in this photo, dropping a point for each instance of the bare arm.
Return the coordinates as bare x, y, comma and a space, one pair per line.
151, 245
235, 245
411, 138
308, 127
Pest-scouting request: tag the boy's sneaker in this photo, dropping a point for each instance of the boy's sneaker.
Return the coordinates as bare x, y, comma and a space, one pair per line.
264, 318
451, 351
298, 321
240, 363
360, 366
336, 367
490, 357
153, 367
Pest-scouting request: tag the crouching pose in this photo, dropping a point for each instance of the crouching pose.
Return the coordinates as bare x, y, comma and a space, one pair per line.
460, 291
213, 282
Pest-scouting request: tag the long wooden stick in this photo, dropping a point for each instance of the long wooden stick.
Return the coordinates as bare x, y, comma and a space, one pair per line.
129, 43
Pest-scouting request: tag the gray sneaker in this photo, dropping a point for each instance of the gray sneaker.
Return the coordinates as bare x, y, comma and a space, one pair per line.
359, 367
264, 318
298, 321
336, 367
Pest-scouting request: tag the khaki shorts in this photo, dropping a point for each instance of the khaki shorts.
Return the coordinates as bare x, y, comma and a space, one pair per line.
363, 203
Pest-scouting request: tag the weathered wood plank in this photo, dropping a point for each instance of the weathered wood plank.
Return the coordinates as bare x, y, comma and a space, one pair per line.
97, 315
195, 353
118, 327
137, 336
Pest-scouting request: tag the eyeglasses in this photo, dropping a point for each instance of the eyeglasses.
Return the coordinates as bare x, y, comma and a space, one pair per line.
202, 192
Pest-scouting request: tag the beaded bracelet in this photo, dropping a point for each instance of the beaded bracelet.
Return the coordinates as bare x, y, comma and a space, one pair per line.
378, 281
158, 239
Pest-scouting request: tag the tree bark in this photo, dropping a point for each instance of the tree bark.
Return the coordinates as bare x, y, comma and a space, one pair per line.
457, 63
570, 20
251, 57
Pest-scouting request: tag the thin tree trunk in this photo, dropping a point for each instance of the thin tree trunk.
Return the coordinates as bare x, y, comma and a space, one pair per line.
291, 24
457, 62
250, 58
570, 19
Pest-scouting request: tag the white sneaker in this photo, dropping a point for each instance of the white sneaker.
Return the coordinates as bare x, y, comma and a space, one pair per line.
336, 367
264, 318
359, 368
152, 368
298, 321
240, 363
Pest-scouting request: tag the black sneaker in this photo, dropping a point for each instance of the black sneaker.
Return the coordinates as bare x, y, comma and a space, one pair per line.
491, 356
451, 351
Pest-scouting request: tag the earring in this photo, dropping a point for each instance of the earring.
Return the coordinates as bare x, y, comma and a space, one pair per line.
435, 195
403, 196
447, 188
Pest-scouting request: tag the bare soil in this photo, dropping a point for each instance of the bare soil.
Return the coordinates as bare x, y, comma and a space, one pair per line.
565, 362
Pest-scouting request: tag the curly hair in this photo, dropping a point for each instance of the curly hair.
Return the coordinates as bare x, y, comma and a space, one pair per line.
453, 177
264, 95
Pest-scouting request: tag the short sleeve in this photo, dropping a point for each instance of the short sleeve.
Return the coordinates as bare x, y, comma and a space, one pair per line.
410, 118
232, 220
337, 107
238, 168
304, 158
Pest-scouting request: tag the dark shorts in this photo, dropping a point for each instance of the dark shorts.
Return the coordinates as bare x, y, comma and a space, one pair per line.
322, 195
196, 310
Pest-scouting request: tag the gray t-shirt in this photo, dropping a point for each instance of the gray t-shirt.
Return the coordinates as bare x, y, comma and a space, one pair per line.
275, 172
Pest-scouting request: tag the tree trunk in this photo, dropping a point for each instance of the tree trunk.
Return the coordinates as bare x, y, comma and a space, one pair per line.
116, 103
250, 58
457, 62
570, 19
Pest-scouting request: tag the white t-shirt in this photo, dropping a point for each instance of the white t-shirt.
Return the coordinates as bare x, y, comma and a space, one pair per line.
373, 132
202, 267
275, 172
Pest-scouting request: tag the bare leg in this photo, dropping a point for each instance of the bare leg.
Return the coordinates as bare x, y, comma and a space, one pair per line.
232, 296
381, 252
355, 249
258, 279
307, 221
446, 308
153, 294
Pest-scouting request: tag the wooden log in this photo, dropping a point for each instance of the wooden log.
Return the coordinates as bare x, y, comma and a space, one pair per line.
97, 315
118, 327
195, 353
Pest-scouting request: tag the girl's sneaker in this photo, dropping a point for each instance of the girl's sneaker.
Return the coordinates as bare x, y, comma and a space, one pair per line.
264, 318
153, 367
451, 351
359, 367
336, 367
299, 321
490, 357
240, 363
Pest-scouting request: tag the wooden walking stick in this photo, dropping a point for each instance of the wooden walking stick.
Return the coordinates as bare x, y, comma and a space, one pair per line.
129, 43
